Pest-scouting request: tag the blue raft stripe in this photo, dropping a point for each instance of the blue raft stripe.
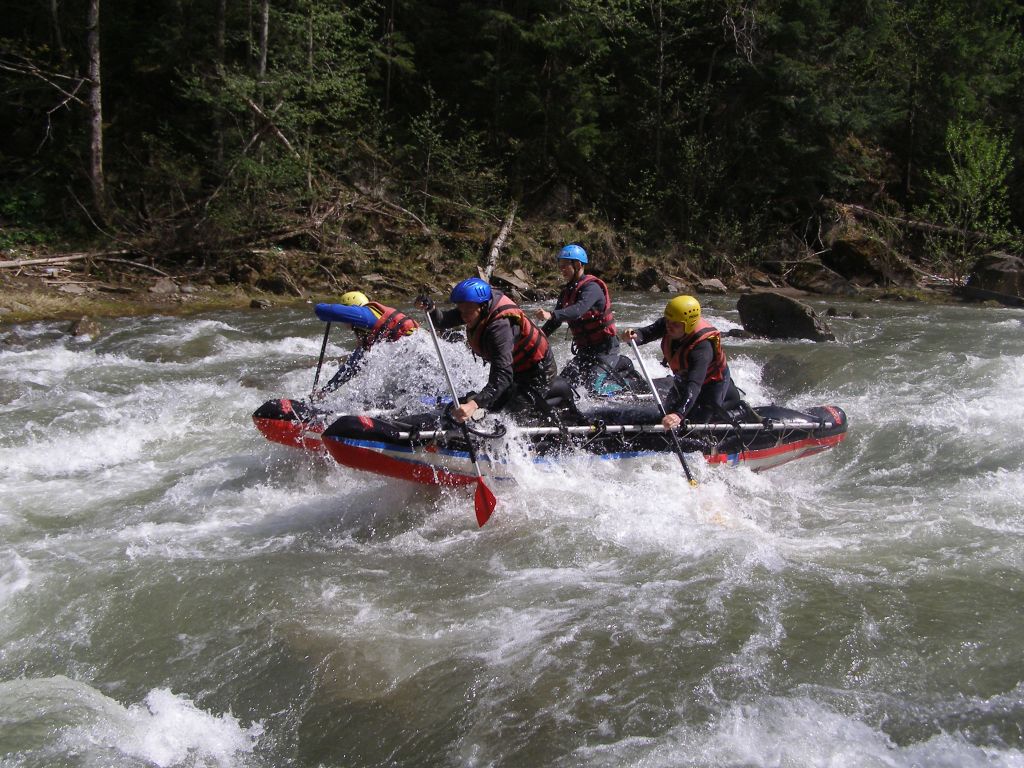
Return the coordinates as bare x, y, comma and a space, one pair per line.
393, 448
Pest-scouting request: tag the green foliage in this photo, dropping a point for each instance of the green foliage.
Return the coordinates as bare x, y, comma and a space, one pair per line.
22, 213
449, 161
716, 123
970, 197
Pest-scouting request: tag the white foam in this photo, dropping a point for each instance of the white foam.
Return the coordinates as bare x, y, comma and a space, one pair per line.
14, 574
165, 730
775, 731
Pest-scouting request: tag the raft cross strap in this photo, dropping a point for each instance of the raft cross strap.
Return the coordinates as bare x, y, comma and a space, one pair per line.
613, 429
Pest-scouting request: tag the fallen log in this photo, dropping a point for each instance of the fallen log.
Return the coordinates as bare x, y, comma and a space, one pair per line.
62, 258
499, 242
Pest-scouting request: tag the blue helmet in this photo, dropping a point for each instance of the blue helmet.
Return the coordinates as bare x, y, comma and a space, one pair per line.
472, 289
574, 252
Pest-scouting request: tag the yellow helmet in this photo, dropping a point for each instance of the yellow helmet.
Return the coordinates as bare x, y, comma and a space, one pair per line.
354, 299
683, 309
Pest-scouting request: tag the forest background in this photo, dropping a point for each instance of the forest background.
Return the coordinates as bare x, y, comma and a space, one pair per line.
401, 137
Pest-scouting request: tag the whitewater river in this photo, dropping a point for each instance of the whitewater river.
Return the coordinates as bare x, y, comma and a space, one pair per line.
177, 591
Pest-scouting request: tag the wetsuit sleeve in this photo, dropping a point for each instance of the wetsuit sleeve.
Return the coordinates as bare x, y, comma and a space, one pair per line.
348, 369
448, 319
497, 344
550, 325
651, 332
686, 387
589, 297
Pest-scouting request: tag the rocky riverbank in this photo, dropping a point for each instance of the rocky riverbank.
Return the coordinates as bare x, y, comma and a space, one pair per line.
37, 284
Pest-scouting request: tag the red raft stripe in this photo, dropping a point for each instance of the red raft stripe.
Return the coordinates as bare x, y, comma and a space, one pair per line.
291, 433
809, 446
369, 460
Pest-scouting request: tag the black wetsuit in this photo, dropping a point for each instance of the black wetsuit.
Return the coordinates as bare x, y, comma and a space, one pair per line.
505, 389
592, 360
689, 395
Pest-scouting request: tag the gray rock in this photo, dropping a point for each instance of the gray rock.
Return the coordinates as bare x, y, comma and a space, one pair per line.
1000, 273
164, 286
505, 280
711, 285
85, 326
648, 279
817, 278
676, 285
775, 316
867, 261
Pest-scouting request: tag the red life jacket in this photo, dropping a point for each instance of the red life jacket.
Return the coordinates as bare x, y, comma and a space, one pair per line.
392, 325
594, 326
677, 353
531, 346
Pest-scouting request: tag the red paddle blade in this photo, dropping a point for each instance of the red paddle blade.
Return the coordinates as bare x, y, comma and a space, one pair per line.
484, 502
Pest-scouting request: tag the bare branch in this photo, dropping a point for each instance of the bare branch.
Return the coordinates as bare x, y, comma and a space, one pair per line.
273, 127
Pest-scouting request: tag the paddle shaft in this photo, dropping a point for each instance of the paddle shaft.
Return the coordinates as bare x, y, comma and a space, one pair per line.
320, 362
661, 407
454, 393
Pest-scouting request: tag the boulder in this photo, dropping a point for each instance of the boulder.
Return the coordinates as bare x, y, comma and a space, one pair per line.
815, 277
677, 285
274, 284
164, 286
260, 304
85, 326
738, 333
867, 261
711, 285
648, 279
775, 316
761, 280
999, 273
505, 280
521, 275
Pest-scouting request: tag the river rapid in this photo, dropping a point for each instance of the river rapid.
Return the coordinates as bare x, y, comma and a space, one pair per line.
177, 591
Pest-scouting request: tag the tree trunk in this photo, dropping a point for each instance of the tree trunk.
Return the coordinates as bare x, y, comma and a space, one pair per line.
261, 65
264, 37
96, 177
659, 20
310, 64
58, 38
222, 28
911, 138
389, 33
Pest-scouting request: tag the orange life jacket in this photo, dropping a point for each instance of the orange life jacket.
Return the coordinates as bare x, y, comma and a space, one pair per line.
594, 326
677, 353
392, 325
531, 346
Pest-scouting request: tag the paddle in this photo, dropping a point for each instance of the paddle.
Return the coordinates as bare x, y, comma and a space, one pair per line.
320, 362
661, 407
483, 499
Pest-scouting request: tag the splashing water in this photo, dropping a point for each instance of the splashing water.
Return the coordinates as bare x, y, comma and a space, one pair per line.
177, 591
